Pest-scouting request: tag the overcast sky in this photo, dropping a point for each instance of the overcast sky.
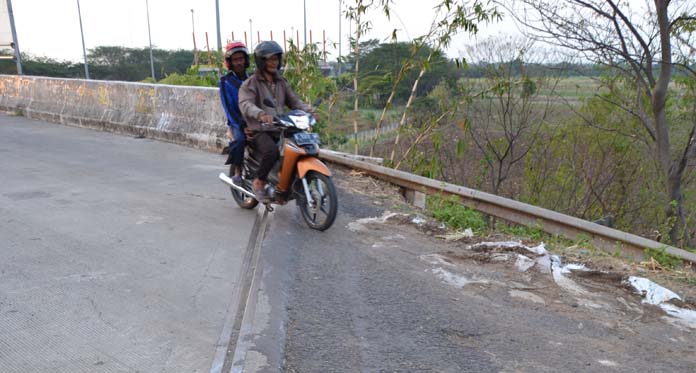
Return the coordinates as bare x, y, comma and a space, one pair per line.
51, 27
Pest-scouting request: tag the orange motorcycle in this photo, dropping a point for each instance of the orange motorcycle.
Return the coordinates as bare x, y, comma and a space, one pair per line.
297, 175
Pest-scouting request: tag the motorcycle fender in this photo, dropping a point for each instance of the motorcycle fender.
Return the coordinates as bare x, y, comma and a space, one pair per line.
311, 164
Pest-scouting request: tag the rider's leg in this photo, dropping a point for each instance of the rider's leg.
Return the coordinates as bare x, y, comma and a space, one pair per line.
268, 154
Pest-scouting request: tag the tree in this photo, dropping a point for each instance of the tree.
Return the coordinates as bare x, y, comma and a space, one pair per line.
43, 66
110, 63
365, 47
450, 18
133, 64
644, 48
357, 13
509, 107
381, 66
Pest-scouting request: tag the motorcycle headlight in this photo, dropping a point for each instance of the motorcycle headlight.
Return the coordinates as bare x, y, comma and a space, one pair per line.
301, 122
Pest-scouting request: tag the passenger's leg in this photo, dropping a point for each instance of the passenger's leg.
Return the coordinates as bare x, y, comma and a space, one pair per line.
236, 157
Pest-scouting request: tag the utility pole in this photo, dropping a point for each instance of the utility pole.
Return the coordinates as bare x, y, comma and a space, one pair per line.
193, 33
149, 38
251, 37
340, 3
15, 43
217, 17
305, 22
193, 25
82, 34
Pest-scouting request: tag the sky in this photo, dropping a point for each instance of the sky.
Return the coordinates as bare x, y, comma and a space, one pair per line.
51, 28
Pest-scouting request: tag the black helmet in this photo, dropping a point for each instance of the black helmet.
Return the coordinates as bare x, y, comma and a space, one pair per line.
267, 49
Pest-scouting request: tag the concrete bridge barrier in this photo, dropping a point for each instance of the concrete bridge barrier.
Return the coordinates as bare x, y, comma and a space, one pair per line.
189, 116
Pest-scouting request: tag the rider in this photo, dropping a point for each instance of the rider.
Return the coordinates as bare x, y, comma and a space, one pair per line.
236, 61
266, 83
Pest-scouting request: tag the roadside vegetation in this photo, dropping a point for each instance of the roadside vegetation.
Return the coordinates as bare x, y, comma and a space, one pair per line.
598, 128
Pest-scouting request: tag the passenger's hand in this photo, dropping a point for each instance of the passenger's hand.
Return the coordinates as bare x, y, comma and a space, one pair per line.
265, 118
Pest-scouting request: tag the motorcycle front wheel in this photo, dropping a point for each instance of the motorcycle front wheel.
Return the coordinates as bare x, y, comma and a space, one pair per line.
320, 213
242, 199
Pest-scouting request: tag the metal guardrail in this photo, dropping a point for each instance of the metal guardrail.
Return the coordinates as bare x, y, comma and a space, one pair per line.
510, 210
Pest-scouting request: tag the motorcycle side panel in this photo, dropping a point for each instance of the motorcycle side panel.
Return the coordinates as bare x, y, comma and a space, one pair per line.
311, 164
291, 155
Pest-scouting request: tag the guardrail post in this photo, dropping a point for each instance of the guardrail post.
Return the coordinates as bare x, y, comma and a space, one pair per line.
414, 197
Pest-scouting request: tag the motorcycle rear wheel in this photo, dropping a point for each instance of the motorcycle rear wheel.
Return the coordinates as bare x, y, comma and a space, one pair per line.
243, 200
321, 214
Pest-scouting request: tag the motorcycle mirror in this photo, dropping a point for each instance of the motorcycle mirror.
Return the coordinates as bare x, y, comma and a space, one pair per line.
317, 102
268, 102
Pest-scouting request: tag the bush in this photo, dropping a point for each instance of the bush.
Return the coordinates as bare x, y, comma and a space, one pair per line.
596, 171
190, 80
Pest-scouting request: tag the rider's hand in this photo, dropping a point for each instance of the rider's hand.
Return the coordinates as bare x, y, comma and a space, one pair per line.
265, 118
316, 116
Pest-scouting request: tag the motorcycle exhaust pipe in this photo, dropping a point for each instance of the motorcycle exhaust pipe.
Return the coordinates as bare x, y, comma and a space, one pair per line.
226, 179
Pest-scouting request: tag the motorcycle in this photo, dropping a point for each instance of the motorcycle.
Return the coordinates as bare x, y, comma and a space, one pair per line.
297, 175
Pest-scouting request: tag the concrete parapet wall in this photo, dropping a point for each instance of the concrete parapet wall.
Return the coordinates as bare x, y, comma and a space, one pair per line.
190, 116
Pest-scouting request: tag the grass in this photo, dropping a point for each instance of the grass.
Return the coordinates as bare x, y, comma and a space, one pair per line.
367, 119
533, 233
661, 256
574, 87
570, 88
455, 215
691, 281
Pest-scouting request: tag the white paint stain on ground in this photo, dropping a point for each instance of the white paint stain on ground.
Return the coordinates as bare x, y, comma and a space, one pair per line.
388, 241
360, 225
558, 271
527, 296
418, 220
524, 263
539, 250
148, 219
456, 236
680, 315
657, 295
492, 245
545, 263
608, 363
653, 293
436, 259
396, 237
454, 279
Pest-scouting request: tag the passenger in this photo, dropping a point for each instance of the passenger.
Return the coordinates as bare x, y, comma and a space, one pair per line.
266, 83
237, 62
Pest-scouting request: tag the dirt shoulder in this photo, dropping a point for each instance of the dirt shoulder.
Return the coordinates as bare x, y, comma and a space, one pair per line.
680, 280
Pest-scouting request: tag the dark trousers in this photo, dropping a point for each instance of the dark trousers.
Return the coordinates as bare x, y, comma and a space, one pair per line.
266, 152
236, 155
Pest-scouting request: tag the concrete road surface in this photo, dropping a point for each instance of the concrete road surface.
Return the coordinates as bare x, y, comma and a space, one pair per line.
116, 253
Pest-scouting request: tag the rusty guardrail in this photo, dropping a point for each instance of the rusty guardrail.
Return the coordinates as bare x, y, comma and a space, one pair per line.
513, 211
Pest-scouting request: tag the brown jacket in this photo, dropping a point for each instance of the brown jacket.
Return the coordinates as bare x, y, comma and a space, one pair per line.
256, 89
